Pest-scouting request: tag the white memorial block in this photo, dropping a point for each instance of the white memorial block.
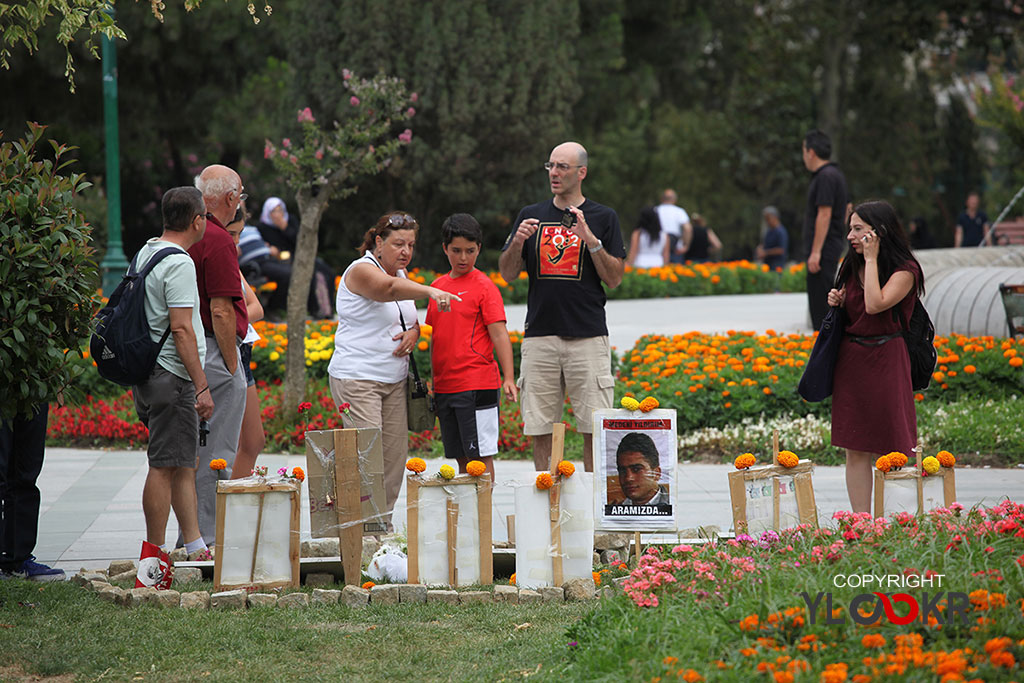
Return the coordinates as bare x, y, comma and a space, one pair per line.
911, 489
772, 496
635, 458
257, 533
449, 530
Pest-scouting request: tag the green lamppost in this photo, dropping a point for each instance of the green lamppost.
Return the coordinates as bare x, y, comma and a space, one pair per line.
114, 263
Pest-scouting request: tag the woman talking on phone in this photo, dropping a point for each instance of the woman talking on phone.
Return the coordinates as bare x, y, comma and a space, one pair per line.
873, 399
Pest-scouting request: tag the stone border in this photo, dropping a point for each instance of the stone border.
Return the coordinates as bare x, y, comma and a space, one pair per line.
574, 590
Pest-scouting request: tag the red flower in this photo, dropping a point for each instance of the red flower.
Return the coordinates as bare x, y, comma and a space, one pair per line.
304, 406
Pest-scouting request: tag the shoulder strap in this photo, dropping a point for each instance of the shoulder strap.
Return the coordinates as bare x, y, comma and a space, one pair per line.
155, 259
401, 319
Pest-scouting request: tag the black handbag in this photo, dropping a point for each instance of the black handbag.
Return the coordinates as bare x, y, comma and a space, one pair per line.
816, 382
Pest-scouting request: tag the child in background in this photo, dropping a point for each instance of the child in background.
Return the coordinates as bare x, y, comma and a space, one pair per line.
465, 340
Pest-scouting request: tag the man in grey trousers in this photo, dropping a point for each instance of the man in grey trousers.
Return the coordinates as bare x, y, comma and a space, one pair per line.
222, 308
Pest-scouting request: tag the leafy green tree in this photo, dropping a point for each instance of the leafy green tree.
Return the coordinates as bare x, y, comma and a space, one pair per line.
48, 278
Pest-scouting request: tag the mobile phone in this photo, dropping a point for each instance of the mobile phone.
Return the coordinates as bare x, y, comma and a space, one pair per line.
568, 219
204, 429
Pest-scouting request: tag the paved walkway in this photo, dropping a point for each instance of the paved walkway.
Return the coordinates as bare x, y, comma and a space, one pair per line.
92, 499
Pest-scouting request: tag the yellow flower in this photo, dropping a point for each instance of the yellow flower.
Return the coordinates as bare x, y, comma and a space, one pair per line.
566, 468
931, 465
274, 355
447, 472
629, 403
788, 459
416, 465
475, 468
945, 458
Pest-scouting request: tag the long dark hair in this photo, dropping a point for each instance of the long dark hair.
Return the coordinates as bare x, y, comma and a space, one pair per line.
893, 245
649, 223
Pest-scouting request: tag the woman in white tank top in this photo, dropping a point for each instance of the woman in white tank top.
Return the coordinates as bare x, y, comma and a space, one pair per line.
377, 331
648, 245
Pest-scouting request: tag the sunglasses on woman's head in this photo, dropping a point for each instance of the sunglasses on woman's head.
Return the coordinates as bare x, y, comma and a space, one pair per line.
399, 220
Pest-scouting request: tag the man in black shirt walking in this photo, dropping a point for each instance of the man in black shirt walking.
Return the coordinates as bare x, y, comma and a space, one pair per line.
824, 221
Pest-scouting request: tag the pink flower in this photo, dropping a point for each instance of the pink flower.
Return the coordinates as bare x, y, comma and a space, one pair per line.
319, 154
268, 151
372, 149
287, 142
346, 74
306, 115
405, 135
283, 471
283, 153
410, 112
354, 101
414, 97
294, 159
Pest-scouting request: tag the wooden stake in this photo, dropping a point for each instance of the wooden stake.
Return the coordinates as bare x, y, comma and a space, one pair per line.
256, 542
920, 478
295, 545
636, 546
775, 447
510, 524
219, 543
453, 528
554, 497
483, 508
349, 507
412, 526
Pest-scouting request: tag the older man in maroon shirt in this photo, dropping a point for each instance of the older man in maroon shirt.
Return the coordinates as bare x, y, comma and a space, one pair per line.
222, 308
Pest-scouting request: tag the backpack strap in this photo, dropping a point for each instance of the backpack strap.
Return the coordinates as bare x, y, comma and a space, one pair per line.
153, 260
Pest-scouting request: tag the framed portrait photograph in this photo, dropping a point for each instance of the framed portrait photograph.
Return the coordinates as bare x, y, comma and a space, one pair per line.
635, 457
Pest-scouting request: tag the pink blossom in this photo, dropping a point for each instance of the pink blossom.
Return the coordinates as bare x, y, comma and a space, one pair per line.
306, 115
346, 74
414, 97
294, 159
372, 149
410, 112
405, 135
354, 101
287, 142
283, 153
268, 151
319, 154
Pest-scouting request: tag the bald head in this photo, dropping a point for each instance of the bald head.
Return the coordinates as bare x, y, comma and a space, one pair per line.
668, 196
222, 189
574, 149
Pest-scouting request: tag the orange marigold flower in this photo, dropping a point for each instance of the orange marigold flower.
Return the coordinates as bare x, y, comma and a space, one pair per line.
597, 578
219, 464
788, 459
896, 459
512, 579
945, 458
970, 369
475, 468
670, 661
298, 473
744, 461
1003, 658
691, 676
566, 468
1016, 362
544, 481
416, 465
883, 463
996, 644
368, 585
749, 623
873, 640
783, 677
648, 404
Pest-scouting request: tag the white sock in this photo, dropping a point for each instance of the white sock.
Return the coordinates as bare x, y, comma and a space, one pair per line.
193, 546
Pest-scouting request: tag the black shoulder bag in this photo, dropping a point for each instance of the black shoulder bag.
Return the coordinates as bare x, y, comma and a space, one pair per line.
816, 382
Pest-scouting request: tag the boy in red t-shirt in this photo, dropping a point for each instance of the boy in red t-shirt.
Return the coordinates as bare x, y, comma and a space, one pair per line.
465, 340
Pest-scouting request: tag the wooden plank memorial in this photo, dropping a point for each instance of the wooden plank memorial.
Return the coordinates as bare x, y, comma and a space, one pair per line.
927, 484
635, 457
555, 508
449, 529
346, 490
257, 533
772, 496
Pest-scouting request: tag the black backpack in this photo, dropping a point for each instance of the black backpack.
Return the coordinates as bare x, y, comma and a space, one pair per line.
121, 345
920, 337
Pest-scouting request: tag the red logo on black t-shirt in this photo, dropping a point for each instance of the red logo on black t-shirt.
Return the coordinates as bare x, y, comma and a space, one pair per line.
559, 253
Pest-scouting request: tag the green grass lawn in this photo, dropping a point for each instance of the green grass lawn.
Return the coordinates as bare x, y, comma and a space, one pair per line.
57, 629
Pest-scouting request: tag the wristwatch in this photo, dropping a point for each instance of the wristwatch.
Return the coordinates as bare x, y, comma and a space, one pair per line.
597, 247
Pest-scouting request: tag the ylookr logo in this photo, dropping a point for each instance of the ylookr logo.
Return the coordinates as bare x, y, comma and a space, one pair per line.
920, 608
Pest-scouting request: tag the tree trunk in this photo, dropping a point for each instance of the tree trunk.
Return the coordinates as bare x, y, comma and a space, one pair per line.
303, 261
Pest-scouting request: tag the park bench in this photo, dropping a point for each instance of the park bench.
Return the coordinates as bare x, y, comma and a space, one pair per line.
1009, 232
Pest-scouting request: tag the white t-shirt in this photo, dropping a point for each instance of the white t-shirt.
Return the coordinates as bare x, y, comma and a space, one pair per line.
171, 284
648, 253
673, 218
363, 343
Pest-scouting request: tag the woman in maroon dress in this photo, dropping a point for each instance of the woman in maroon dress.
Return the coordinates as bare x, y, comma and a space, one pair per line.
873, 399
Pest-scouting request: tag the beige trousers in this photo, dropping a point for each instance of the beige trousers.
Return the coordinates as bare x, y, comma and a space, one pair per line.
378, 404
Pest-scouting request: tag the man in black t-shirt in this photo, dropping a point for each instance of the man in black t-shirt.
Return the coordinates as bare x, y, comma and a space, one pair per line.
972, 225
565, 346
824, 222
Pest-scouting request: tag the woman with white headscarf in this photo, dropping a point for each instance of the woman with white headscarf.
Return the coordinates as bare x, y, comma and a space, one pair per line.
281, 233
